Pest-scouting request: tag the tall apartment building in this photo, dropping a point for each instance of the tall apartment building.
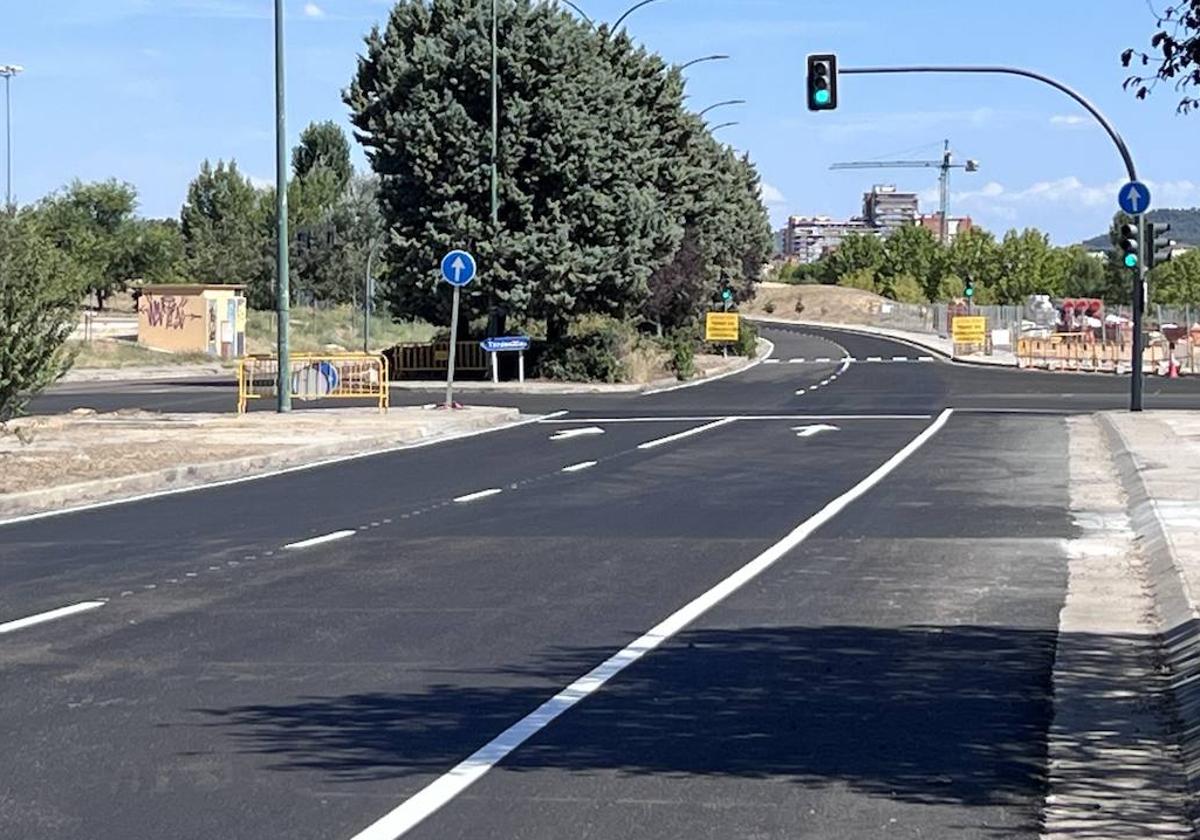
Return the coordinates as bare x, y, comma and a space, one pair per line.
808, 238
889, 210
932, 222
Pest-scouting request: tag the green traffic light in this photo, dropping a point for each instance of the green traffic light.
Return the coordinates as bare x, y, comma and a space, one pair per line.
970, 293
1131, 261
821, 97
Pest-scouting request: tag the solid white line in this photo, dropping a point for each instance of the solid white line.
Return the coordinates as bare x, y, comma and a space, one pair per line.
336, 535
586, 465
567, 434
61, 612
654, 444
845, 365
482, 494
339, 459
701, 418
438, 793
770, 349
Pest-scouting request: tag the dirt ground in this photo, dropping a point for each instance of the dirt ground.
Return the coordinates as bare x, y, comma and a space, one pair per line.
819, 303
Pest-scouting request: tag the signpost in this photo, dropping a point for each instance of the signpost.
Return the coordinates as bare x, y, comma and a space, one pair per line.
508, 344
1134, 199
723, 327
458, 269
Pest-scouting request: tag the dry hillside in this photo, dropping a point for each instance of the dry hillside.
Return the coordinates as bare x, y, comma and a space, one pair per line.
815, 303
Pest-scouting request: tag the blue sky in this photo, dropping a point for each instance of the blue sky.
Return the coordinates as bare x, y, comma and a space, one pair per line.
143, 90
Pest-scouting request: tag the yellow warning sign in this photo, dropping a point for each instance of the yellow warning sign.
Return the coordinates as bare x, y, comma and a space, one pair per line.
970, 330
722, 326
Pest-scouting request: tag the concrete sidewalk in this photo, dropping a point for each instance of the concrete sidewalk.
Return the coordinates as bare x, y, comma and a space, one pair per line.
53, 462
1158, 462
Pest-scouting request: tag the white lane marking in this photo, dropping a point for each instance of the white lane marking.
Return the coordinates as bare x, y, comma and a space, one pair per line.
796, 361
899, 358
845, 365
874, 358
482, 494
824, 360
324, 538
40, 618
654, 444
925, 358
812, 431
586, 465
567, 434
824, 382
340, 459
801, 392
772, 361
438, 793
735, 372
700, 418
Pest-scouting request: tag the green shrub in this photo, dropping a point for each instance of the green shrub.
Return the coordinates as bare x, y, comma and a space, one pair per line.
591, 352
769, 307
683, 356
747, 344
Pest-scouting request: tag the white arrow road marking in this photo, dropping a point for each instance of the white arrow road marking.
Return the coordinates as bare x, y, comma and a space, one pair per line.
567, 434
812, 431
61, 612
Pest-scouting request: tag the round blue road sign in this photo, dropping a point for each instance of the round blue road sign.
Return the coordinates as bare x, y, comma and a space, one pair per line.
1134, 198
458, 267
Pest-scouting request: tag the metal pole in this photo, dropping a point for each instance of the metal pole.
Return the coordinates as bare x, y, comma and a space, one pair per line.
1139, 315
944, 228
368, 298
8, 140
282, 290
453, 348
495, 123
1118, 141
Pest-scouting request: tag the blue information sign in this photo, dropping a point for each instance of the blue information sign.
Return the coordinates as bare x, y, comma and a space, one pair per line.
458, 267
509, 344
1134, 198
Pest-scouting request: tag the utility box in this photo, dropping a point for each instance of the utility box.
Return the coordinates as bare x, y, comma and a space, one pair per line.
193, 318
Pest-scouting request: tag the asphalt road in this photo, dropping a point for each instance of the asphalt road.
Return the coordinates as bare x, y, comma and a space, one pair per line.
860, 653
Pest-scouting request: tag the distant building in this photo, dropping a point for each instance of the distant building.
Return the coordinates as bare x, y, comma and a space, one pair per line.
888, 210
808, 238
933, 223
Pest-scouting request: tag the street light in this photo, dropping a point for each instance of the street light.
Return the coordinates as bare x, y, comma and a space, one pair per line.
722, 105
717, 128
630, 11
283, 379
8, 71
688, 64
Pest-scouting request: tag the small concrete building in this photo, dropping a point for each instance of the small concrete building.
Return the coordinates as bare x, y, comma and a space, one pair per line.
193, 318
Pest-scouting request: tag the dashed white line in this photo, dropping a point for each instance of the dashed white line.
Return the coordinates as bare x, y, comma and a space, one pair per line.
899, 358
925, 358
406, 816
336, 535
874, 358
796, 361
801, 392
654, 444
568, 434
845, 365
482, 494
824, 360
586, 465
772, 361
51, 615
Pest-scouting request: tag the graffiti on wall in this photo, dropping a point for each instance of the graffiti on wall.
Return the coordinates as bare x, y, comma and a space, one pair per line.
166, 311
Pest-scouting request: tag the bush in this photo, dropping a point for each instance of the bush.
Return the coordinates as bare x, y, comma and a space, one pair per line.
747, 344
769, 307
683, 356
592, 352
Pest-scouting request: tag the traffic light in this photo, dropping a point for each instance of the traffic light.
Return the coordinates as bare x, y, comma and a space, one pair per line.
970, 290
1162, 247
727, 295
822, 82
1130, 245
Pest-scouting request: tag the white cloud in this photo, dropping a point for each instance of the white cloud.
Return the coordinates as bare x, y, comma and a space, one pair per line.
1069, 120
771, 194
261, 183
312, 10
1071, 193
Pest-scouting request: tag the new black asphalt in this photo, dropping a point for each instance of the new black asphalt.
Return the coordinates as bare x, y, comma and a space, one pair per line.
888, 677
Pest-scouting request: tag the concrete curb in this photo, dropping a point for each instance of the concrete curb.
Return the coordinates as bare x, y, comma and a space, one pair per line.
198, 476
1178, 615
870, 333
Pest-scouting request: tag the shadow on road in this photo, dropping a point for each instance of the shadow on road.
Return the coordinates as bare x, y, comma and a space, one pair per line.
925, 714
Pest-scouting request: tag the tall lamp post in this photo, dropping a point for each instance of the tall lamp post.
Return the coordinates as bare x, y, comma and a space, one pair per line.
8, 71
724, 104
282, 290
701, 60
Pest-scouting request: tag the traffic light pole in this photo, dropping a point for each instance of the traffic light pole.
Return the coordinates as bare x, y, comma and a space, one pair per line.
1139, 291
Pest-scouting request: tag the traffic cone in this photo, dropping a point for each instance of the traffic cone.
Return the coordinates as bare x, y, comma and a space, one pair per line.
1173, 369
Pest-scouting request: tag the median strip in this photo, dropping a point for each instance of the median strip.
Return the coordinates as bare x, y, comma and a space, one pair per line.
309, 543
41, 618
654, 444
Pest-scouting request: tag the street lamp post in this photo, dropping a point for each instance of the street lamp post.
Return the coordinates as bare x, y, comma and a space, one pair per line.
727, 102
8, 71
717, 128
282, 290
688, 64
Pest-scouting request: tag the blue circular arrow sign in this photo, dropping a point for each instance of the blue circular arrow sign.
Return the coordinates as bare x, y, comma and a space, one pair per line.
458, 268
1134, 198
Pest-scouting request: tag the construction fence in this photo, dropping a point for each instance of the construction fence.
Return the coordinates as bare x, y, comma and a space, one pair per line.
315, 376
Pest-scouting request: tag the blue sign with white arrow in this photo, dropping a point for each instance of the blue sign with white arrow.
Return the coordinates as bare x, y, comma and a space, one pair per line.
509, 344
458, 267
1134, 198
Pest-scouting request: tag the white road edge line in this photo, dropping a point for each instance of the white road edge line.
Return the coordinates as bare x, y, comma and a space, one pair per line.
40, 618
701, 418
735, 372
433, 796
586, 465
337, 459
324, 538
482, 494
654, 444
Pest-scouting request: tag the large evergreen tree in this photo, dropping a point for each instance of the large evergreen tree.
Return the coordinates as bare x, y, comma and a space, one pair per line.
223, 227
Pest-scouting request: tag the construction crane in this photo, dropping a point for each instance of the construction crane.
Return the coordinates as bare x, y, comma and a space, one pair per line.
945, 165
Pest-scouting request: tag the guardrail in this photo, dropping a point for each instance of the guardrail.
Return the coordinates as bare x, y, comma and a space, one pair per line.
316, 376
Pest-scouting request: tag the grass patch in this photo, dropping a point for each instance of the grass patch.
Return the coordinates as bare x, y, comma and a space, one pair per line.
116, 353
315, 330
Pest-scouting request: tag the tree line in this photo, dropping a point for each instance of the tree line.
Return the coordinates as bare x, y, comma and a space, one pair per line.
912, 266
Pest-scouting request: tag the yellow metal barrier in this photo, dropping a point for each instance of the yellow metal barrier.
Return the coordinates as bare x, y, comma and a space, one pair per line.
1082, 352
435, 357
316, 376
